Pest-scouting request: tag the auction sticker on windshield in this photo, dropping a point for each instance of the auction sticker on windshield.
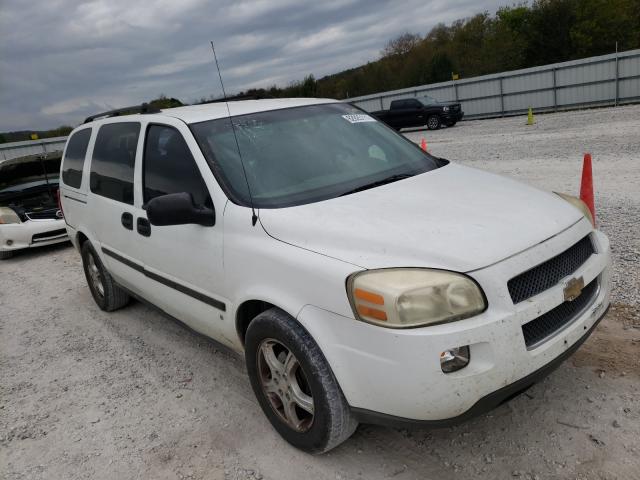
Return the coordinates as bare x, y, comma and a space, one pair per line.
358, 118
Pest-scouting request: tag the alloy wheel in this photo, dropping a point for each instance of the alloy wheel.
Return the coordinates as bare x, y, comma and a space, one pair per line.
94, 275
285, 385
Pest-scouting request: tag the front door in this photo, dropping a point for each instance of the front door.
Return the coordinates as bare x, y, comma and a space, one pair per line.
414, 113
184, 261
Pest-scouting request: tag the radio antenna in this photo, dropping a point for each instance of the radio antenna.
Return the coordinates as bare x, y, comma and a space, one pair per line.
254, 217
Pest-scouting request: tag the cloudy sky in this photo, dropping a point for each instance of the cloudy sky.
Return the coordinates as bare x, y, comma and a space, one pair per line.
61, 60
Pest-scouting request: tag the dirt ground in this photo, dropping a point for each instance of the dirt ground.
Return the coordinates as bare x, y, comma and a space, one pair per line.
132, 394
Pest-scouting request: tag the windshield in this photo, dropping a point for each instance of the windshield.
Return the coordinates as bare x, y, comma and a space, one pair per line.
306, 154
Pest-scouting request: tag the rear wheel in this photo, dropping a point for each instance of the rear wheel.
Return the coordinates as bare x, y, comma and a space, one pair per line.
105, 291
295, 385
433, 122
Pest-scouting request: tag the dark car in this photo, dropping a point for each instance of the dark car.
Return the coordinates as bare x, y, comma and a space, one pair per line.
417, 112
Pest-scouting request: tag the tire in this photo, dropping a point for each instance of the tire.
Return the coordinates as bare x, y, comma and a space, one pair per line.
433, 122
308, 382
6, 254
451, 124
105, 291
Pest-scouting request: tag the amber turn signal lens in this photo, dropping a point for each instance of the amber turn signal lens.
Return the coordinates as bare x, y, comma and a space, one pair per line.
369, 297
372, 312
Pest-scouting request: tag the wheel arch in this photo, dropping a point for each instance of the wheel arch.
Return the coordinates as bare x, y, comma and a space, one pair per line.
80, 239
249, 309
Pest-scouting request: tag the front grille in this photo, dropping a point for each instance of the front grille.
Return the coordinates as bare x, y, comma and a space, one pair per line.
44, 236
549, 273
554, 320
51, 213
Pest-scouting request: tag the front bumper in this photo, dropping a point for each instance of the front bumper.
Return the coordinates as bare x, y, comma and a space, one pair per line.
32, 233
486, 403
395, 374
452, 116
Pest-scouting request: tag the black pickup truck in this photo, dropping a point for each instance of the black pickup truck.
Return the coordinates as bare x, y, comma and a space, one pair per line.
416, 112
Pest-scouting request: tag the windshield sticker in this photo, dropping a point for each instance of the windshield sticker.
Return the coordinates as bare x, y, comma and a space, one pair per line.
358, 118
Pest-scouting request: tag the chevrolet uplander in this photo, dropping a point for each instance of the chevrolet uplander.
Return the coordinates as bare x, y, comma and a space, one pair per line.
364, 279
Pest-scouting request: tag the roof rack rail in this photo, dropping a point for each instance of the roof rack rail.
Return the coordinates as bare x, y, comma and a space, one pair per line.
144, 108
235, 98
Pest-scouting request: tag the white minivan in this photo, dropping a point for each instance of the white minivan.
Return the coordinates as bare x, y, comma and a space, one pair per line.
364, 279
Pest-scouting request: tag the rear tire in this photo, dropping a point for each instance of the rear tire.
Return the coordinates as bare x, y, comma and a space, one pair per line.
105, 291
433, 122
294, 384
6, 254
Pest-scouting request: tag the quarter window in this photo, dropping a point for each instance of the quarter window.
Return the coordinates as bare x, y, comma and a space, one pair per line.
169, 166
74, 158
113, 161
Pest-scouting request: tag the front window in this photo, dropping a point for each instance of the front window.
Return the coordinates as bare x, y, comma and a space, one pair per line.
306, 154
427, 100
169, 167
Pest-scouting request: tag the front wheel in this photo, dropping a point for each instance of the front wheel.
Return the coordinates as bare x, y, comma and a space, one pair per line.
433, 122
4, 254
295, 385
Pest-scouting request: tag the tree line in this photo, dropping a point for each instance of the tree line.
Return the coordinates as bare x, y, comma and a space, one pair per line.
518, 36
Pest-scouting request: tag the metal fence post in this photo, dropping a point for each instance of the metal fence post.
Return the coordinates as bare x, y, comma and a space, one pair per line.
501, 98
555, 91
381, 104
615, 103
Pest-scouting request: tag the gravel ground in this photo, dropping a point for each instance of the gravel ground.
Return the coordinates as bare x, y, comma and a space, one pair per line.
132, 394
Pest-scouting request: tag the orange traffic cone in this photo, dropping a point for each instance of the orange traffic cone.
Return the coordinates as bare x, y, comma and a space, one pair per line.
423, 144
586, 186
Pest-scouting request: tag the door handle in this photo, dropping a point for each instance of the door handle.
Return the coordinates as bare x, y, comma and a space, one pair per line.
127, 220
144, 227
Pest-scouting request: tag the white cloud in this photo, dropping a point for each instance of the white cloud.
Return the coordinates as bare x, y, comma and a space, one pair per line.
63, 59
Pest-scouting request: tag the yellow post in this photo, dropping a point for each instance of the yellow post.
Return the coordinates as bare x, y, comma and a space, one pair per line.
530, 119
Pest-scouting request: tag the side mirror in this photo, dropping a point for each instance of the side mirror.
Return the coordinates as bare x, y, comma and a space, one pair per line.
178, 209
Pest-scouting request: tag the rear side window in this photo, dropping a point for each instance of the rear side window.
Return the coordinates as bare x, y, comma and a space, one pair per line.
113, 161
169, 166
74, 158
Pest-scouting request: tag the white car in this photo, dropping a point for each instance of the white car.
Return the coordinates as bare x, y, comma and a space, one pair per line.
29, 212
364, 280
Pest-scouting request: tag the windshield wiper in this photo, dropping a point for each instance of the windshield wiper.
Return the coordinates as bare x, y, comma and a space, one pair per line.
377, 183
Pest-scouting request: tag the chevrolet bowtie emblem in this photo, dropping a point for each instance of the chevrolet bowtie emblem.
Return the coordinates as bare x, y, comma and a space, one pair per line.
573, 289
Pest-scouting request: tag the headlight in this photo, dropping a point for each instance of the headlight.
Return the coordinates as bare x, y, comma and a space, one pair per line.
445, 109
7, 215
413, 297
579, 204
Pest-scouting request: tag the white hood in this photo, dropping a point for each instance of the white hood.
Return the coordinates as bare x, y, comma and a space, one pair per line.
457, 218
